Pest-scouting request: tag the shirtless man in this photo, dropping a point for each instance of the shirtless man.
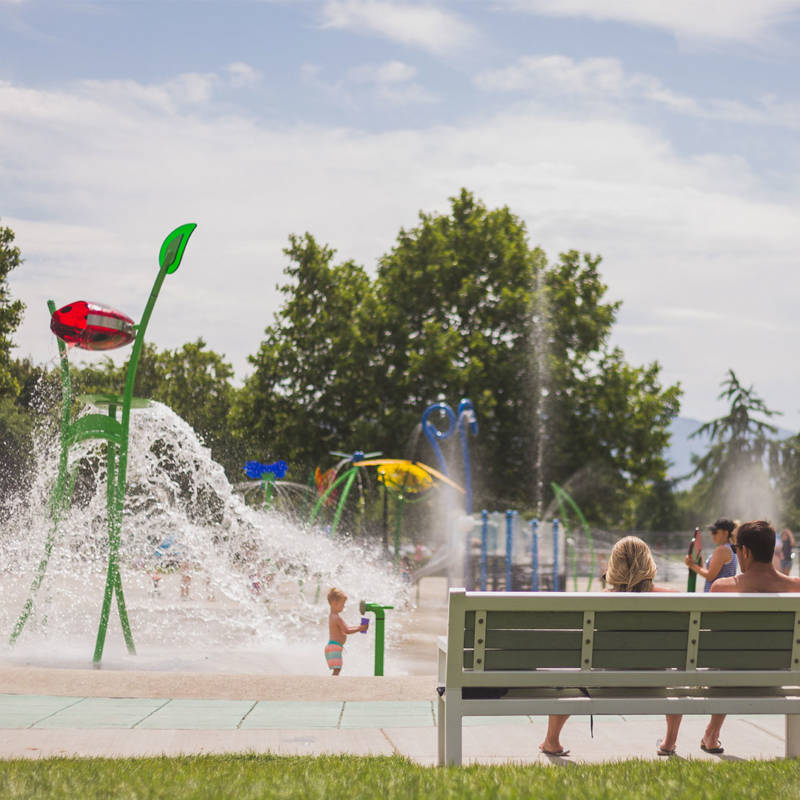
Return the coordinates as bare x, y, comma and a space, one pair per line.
755, 544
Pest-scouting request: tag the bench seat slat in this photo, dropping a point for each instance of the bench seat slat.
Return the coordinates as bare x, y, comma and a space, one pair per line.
630, 678
747, 621
531, 620
640, 640
641, 620
525, 659
639, 659
746, 640
527, 640
744, 659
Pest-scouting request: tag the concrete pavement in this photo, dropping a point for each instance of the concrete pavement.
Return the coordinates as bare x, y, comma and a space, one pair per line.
135, 714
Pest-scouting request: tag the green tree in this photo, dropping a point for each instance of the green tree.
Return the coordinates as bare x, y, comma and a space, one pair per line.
10, 311
462, 306
453, 299
309, 392
732, 475
784, 461
15, 423
467, 307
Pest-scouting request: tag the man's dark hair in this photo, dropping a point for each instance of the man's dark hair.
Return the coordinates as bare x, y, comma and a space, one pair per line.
759, 538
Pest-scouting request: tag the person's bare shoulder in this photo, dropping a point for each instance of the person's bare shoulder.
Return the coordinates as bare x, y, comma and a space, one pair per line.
792, 584
657, 588
725, 585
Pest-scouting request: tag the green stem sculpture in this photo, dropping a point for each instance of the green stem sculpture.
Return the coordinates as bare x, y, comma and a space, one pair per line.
563, 497
347, 477
115, 433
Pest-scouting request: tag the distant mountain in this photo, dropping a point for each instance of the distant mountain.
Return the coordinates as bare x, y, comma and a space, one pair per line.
681, 447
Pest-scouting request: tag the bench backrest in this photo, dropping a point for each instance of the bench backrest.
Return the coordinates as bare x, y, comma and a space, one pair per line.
511, 637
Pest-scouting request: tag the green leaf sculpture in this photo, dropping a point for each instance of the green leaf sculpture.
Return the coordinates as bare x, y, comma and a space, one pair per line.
173, 247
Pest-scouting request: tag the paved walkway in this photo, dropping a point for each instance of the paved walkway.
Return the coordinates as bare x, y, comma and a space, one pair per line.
45, 725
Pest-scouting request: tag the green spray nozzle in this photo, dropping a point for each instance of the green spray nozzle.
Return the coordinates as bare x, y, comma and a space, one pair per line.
378, 610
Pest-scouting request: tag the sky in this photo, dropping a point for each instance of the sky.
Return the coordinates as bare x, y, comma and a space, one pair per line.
659, 134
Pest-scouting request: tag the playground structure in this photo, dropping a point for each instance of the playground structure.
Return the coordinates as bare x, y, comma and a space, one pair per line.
498, 551
465, 421
400, 477
93, 327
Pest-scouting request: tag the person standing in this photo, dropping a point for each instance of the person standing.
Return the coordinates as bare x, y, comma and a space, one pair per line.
722, 561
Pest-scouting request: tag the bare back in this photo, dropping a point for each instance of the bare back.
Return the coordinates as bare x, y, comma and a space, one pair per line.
760, 579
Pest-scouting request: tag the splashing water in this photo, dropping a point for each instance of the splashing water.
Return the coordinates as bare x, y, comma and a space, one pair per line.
210, 583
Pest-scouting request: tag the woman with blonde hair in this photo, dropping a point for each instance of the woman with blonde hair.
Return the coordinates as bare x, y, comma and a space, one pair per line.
631, 568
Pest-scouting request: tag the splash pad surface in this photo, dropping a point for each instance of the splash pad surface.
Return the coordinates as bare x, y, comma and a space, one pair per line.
241, 590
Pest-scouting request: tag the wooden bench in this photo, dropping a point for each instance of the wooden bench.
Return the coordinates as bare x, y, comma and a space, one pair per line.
518, 653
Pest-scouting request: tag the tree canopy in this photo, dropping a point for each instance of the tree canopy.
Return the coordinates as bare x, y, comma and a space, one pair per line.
351, 363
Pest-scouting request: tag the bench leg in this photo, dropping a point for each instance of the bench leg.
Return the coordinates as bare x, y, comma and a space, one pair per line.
452, 727
440, 732
793, 736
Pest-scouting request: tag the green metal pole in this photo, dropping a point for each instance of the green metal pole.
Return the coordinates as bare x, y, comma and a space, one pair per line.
169, 260
562, 494
268, 483
380, 633
61, 491
338, 515
318, 505
380, 620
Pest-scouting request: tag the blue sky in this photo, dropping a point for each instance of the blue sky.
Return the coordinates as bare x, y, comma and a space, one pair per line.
661, 135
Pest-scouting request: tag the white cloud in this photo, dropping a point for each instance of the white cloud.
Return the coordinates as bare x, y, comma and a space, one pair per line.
241, 74
599, 81
185, 89
412, 24
91, 184
386, 84
736, 20
388, 72
558, 75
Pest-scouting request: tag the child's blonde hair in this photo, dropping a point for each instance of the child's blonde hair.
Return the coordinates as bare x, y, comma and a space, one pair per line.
335, 594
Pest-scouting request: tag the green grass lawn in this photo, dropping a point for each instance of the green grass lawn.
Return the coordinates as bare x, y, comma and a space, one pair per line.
345, 777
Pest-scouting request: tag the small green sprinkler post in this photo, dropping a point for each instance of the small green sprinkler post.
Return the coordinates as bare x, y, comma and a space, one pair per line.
695, 553
380, 619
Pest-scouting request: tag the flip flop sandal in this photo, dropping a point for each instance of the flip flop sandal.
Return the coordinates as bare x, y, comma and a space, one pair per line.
664, 751
716, 750
562, 752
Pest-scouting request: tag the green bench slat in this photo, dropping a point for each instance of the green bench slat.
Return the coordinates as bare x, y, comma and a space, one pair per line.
527, 640
746, 640
639, 659
528, 620
747, 620
745, 659
641, 640
641, 621
525, 659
